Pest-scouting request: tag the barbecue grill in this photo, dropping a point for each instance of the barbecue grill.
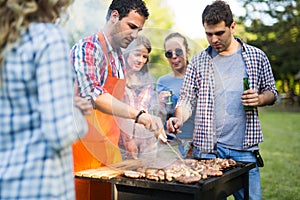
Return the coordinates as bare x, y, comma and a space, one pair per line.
124, 188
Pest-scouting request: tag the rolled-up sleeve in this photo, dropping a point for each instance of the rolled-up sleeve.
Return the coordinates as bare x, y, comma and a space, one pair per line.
267, 79
90, 67
187, 98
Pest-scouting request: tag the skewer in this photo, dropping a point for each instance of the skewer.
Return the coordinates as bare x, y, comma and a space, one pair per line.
177, 154
160, 136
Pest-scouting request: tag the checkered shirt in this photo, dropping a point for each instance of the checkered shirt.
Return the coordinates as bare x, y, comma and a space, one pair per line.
36, 117
198, 90
91, 65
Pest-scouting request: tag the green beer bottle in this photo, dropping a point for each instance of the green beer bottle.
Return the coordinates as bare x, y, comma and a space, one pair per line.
246, 87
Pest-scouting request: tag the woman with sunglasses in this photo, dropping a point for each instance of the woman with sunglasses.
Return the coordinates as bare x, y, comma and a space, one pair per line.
135, 140
176, 51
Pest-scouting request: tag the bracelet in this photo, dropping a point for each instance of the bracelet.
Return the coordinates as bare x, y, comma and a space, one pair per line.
138, 115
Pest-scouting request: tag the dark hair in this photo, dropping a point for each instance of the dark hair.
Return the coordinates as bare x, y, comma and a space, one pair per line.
176, 34
217, 12
125, 6
185, 42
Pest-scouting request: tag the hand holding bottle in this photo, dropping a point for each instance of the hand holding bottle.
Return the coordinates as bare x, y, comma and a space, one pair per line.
249, 97
170, 105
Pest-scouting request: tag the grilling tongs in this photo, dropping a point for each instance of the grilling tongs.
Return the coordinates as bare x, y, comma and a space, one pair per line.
174, 135
162, 138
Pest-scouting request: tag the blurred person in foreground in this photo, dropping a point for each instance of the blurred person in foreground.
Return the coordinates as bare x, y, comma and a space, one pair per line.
135, 140
214, 85
100, 69
38, 121
177, 52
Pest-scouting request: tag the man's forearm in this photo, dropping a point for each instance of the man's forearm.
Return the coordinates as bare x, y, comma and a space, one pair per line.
182, 113
108, 104
266, 98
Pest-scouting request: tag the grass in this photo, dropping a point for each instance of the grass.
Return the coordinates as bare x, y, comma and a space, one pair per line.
280, 177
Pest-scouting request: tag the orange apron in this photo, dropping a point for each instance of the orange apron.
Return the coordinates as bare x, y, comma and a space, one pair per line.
100, 145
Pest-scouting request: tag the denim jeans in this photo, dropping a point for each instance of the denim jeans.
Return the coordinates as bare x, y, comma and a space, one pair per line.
184, 147
242, 156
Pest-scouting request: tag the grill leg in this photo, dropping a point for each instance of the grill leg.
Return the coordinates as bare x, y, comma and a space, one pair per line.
114, 192
246, 186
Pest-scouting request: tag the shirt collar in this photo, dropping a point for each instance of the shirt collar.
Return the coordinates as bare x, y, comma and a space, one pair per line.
108, 45
209, 49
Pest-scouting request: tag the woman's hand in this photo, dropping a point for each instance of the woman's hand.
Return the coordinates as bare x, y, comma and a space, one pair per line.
163, 95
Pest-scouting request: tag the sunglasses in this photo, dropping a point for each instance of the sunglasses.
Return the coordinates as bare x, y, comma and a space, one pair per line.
178, 52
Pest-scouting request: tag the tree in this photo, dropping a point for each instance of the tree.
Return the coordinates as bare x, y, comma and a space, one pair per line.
275, 27
158, 25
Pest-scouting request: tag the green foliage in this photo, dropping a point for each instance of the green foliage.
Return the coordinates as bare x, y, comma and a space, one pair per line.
276, 24
240, 31
160, 15
156, 28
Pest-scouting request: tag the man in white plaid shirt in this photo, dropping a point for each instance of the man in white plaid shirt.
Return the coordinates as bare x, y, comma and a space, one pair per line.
214, 85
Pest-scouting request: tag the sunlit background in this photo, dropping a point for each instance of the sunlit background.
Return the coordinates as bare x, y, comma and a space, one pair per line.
269, 25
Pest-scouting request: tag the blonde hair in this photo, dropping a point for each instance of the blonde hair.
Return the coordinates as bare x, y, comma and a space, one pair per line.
16, 15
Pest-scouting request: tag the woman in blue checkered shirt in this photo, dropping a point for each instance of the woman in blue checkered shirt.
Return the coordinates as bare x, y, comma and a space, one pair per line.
37, 118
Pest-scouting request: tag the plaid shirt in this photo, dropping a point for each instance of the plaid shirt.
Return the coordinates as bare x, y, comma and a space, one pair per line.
91, 66
139, 98
198, 89
36, 117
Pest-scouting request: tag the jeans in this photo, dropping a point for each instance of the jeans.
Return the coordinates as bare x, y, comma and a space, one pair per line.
241, 156
184, 147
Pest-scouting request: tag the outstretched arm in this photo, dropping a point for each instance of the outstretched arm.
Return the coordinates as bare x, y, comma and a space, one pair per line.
110, 105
